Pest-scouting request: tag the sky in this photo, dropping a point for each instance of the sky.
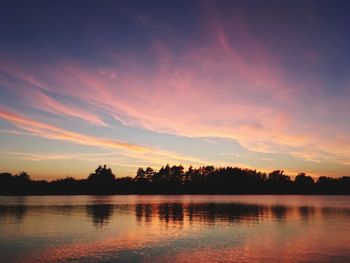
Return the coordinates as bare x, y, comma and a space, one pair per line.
254, 84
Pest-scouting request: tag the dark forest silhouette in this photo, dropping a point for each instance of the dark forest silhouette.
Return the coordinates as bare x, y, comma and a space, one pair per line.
176, 180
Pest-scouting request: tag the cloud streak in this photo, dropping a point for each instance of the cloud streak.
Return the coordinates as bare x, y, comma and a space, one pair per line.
227, 80
150, 155
52, 132
204, 93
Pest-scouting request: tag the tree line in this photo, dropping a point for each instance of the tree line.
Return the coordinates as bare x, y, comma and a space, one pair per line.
176, 180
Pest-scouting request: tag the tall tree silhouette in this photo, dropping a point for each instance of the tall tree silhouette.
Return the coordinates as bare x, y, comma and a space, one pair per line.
304, 183
102, 174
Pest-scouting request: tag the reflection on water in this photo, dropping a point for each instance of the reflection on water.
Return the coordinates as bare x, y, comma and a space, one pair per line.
176, 213
175, 229
16, 212
99, 214
306, 212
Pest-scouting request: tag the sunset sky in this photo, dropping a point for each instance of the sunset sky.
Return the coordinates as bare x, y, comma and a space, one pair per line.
255, 84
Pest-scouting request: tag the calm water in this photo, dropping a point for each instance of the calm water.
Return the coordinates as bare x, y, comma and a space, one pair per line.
175, 229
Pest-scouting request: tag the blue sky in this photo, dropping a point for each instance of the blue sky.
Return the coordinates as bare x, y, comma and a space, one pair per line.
256, 84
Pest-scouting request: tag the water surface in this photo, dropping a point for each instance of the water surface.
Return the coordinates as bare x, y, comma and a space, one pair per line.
175, 229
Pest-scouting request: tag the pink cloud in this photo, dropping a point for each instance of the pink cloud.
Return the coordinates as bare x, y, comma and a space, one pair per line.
44, 102
154, 156
212, 89
34, 96
53, 132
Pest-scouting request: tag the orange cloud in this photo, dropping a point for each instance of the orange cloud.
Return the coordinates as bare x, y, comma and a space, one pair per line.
52, 132
151, 155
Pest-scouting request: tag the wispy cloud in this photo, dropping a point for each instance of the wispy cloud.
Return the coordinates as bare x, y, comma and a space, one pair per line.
52, 132
150, 155
203, 93
224, 83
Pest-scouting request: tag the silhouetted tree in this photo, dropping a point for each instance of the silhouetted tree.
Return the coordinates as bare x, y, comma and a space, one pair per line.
102, 174
175, 180
162, 175
278, 182
140, 175
277, 176
303, 183
24, 176
303, 179
176, 174
149, 173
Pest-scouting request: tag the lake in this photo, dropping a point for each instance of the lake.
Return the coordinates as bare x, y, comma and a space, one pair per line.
175, 229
